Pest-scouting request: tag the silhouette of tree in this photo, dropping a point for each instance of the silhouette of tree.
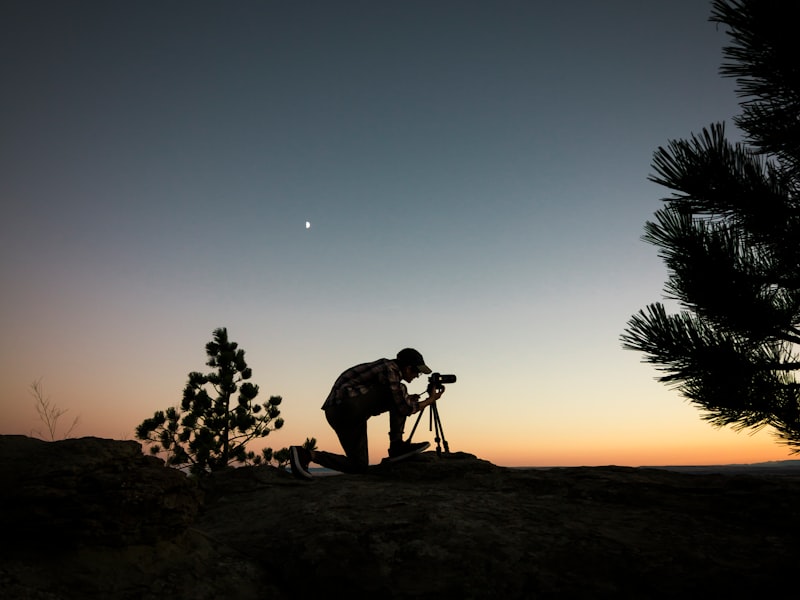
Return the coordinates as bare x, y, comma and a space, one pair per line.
730, 238
210, 433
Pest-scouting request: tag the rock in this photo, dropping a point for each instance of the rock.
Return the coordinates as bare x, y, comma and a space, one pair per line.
449, 526
96, 518
92, 491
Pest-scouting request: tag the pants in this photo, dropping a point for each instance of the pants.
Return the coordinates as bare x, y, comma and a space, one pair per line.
349, 420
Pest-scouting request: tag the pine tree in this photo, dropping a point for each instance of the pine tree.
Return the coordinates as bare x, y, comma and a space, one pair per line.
730, 238
210, 432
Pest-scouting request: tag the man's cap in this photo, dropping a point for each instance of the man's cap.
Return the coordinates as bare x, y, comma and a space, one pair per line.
412, 358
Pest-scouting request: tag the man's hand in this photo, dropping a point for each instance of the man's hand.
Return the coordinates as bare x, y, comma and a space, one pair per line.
434, 395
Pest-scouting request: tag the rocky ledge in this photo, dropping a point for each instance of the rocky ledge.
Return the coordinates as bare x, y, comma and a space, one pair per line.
95, 518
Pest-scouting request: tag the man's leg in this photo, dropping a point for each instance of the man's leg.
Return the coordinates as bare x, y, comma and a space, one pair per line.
397, 424
349, 421
398, 447
353, 438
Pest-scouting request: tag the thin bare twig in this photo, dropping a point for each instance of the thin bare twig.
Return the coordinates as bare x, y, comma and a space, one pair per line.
49, 413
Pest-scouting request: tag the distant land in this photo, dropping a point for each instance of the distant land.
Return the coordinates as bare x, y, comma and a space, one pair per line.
774, 466
789, 467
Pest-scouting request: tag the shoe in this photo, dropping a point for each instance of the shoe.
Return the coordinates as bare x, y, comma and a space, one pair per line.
401, 450
299, 458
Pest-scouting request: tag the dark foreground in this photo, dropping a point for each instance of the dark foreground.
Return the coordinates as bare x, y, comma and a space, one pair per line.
93, 518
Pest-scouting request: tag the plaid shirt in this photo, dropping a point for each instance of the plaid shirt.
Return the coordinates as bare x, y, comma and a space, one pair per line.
383, 373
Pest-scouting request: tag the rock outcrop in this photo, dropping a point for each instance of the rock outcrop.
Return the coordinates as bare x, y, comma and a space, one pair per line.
92, 491
93, 518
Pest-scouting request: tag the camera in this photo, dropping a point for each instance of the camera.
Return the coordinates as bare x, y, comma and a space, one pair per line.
437, 380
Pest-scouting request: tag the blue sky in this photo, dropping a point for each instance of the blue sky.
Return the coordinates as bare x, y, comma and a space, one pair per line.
475, 177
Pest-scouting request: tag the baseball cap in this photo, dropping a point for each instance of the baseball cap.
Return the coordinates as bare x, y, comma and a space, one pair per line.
410, 357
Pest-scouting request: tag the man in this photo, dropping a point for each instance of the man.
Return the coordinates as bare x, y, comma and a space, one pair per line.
359, 393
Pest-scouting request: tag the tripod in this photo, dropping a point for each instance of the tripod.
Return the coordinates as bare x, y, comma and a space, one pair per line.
435, 424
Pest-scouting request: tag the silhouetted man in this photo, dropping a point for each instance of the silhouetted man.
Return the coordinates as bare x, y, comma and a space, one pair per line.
359, 393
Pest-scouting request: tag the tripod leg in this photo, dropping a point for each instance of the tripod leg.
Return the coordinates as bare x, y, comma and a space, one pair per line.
413, 429
434, 426
440, 432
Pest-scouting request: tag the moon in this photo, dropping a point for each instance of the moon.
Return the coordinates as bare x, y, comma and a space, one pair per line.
308, 225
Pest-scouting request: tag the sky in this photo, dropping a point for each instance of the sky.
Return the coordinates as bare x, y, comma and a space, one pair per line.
474, 174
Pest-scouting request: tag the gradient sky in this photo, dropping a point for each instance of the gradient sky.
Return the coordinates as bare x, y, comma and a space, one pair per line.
475, 176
